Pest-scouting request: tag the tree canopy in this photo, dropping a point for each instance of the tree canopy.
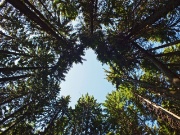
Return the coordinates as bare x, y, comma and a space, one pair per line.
41, 39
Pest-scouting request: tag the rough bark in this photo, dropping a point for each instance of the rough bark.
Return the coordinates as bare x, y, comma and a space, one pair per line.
162, 113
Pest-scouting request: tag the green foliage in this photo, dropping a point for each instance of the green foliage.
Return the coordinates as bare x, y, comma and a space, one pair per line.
40, 42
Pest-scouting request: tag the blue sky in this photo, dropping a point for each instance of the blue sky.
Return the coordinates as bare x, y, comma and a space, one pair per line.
88, 77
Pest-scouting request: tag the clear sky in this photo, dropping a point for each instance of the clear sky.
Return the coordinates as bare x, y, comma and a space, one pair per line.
88, 77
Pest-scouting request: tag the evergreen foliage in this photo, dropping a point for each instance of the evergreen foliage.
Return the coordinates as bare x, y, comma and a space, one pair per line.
41, 39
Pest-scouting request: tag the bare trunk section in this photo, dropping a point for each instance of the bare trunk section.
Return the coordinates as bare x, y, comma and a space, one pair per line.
162, 113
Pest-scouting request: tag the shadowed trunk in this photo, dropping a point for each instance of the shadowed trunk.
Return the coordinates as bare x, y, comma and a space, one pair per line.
14, 53
161, 12
31, 15
21, 68
176, 53
154, 88
14, 78
165, 45
173, 78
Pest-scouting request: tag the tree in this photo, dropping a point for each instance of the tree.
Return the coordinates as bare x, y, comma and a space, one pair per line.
86, 117
39, 43
143, 104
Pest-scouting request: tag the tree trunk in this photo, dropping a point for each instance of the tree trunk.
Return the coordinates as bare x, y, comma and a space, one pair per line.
21, 68
165, 45
161, 113
174, 79
11, 126
10, 99
51, 122
16, 112
176, 53
14, 78
32, 16
157, 90
1, 33
14, 53
41, 16
161, 12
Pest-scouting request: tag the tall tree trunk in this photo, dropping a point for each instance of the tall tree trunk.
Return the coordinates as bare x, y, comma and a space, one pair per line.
14, 78
165, 45
153, 88
37, 12
161, 12
10, 99
21, 68
12, 126
162, 113
174, 79
173, 65
176, 53
51, 122
32, 16
1, 33
14, 53
16, 112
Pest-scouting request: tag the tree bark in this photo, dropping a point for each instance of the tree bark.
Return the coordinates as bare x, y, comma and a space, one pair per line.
174, 79
22, 68
14, 53
176, 53
1, 33
10, 99
32, 16
165, 45
14, 78
13, 114
162, 113
155, 89
161, 12
51, 122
